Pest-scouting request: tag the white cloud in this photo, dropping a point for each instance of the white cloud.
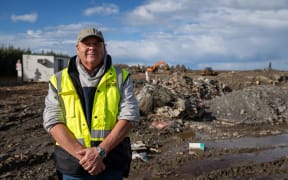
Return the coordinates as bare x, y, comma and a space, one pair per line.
107, 9
155, 12
32, 18
131, 49
162, 7
254, 4
33, 33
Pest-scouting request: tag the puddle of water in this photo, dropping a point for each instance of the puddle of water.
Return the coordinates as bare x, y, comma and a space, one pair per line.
246, 142
198, 167
250, 142
277, 147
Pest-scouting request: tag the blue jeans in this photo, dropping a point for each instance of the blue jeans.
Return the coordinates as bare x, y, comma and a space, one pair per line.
105, 175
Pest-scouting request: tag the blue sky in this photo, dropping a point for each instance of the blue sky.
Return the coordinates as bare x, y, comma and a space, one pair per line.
222, 34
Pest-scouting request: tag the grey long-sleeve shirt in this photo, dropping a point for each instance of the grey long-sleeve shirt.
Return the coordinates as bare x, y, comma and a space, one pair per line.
128, 107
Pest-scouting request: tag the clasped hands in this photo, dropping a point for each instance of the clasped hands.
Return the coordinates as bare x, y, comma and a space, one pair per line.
91, 161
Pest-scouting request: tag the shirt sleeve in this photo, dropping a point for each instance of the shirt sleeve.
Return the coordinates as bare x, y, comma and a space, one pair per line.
129, 109
52, 113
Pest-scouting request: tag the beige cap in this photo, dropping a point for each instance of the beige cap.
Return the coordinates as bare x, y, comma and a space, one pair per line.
84, 33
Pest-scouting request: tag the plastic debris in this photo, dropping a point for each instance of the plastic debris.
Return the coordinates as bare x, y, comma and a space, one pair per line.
139, 145
196, 146
142, 155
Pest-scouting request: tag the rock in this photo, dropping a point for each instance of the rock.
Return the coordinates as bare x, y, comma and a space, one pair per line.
152, 96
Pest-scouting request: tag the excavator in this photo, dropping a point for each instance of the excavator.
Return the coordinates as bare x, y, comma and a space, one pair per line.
156, 66
208, 71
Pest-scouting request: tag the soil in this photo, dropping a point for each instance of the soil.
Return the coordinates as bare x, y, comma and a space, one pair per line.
239, 142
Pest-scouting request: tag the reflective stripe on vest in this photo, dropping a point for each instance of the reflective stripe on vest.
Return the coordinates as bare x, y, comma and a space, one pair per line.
105, 110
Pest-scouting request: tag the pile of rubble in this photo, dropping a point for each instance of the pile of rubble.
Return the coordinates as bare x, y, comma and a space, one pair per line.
177, 97
181, 97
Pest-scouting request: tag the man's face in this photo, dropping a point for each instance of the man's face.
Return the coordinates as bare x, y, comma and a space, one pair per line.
91, 52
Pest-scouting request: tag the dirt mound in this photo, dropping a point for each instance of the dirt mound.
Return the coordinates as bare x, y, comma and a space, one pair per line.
255, 104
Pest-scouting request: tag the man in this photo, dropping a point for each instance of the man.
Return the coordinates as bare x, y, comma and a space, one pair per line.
89, 110
19, 70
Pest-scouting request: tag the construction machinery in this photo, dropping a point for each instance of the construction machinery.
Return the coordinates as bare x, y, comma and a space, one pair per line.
208, 71
156, 66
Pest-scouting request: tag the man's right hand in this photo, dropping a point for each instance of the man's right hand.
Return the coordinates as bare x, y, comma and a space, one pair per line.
91, 161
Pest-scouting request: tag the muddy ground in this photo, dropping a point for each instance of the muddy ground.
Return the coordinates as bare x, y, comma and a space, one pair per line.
233, 149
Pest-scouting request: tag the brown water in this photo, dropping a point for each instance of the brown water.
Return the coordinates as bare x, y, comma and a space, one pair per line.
268, 149
250, 142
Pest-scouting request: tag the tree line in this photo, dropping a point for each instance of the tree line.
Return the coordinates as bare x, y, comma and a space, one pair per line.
9, 56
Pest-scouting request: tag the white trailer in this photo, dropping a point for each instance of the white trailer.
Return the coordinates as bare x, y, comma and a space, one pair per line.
39, 68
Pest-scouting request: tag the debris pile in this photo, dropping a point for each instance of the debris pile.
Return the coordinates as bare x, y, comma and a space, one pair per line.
181, 97
178, 96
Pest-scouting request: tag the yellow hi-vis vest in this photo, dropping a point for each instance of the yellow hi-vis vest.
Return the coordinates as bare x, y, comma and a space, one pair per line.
105, 106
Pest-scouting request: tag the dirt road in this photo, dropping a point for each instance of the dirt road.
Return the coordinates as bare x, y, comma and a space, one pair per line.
232, 150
